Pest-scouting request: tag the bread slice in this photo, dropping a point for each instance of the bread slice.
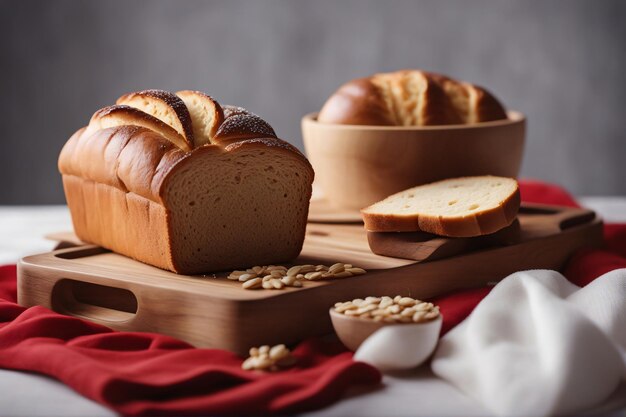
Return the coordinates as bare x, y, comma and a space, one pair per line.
458, 207
122, 115
243, 205
206, 115
165, 106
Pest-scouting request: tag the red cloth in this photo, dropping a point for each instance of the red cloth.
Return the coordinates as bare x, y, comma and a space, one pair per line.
533, 191
150, 374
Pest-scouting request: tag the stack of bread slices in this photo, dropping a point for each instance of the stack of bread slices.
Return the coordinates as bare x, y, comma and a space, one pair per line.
458, 207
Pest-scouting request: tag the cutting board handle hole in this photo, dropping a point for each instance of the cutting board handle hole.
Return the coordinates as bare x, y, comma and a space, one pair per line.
93, 301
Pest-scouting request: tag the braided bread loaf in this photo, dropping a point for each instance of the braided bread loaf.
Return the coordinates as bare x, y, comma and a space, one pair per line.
410, 98
179, 182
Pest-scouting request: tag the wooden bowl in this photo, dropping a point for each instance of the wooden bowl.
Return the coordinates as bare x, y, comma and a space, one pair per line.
421, 338
356, 166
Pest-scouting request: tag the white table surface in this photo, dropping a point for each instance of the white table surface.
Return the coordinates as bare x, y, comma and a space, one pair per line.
415, 393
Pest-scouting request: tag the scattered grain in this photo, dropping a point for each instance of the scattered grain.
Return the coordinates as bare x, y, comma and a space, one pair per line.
292, 277
253, 283
266, 358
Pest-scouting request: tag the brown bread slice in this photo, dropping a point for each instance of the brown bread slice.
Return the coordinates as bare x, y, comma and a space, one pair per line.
122, 115
165, 106
458, 207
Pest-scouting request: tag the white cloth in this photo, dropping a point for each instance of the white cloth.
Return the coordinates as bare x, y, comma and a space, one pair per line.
539, 345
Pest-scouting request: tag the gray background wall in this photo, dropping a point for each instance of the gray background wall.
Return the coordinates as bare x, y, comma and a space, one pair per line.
560, 62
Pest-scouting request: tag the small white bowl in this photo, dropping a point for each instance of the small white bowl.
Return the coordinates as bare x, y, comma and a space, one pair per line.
400, 346
387, 346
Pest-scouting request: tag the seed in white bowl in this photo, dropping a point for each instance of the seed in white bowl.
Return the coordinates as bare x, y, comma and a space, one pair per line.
385, 302
424, 306
365, 309
406, 302
389, 310
419, 316
372, 300
408, 312
394, 309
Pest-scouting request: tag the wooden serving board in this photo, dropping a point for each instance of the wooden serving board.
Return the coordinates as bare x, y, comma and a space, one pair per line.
211, 311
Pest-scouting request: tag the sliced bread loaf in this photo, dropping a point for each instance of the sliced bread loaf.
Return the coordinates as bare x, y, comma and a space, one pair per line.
458, 207
153, 178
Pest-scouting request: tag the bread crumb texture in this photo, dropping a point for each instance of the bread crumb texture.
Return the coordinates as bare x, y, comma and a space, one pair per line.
458, 207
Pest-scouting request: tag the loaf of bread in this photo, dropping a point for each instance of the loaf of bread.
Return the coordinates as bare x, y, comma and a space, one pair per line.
458, 207
410, 98
179, 182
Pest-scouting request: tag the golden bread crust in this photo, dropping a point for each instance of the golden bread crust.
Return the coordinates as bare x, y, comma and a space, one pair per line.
410, 98
167, 105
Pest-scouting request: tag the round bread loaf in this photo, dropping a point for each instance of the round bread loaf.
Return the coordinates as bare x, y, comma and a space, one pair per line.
410, 98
